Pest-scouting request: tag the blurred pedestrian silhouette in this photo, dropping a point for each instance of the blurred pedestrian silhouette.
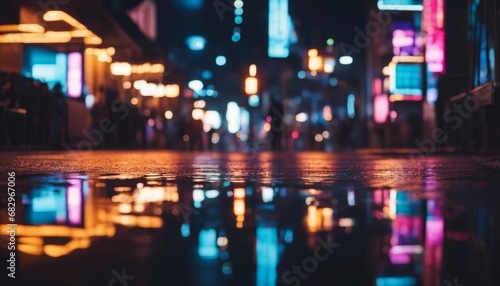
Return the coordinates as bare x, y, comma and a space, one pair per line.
60, 135
195, 130
46, 114
276, 114
100, 114
28, 101
8, 99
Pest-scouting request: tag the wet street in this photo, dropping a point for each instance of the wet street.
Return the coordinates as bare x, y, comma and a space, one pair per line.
179, 218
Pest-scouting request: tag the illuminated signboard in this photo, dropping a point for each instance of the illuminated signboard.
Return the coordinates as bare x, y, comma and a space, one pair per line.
400, 281
405, 78
51, 206
45, 65
404, 39
401, 5
433, 25
75, 74
279, 29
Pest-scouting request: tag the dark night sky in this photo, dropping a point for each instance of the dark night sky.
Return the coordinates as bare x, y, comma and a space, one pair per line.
315, 20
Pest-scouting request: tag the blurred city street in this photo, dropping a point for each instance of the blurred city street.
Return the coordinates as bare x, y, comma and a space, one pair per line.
260, 143
192, 218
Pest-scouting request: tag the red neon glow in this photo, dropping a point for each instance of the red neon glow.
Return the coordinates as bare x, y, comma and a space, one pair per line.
380, 108
75, 74
377, 87
397, 97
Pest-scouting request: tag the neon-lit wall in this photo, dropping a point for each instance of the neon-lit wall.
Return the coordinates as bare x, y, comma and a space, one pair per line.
45, 65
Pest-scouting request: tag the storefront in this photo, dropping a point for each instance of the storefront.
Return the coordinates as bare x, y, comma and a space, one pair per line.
74, 43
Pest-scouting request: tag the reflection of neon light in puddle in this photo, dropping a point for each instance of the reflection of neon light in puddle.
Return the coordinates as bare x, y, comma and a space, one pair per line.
74, 199
267, 194
207, 245
266, 249
400, 281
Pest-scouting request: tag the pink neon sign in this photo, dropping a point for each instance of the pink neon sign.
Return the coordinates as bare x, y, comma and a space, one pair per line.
75, 74
433, 25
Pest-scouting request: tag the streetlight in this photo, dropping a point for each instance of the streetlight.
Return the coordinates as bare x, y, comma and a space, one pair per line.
317, 63
251, 82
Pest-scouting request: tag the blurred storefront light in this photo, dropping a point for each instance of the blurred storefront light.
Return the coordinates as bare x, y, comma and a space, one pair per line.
251, 85
302, 117
318, 138
197, 114
147, 68
172, 90
169, 114
199, 104
254, 100
103, 55
401, 6
213, 119
140, 84
329, 65
196, 43
195, 85
252, 70
346, 60
24, 28
89, 101
36, 38
220, 60
121, 69
315, 62
35, 33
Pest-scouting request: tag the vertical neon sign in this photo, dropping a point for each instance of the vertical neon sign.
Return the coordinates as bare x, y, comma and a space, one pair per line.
75, 74
433, 25
279, 29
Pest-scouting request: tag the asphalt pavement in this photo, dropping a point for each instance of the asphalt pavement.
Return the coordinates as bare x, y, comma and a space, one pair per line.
270, 218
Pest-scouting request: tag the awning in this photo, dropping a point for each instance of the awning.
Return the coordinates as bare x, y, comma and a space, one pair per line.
112, 26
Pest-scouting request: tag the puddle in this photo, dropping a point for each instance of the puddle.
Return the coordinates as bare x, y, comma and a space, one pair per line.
161, 230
